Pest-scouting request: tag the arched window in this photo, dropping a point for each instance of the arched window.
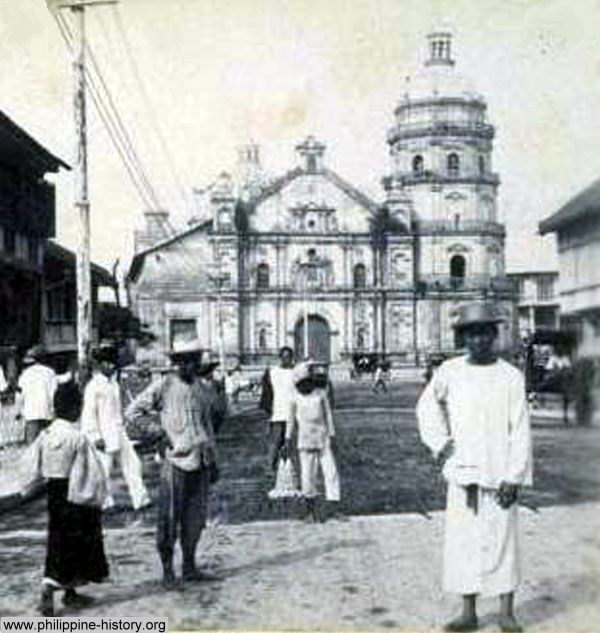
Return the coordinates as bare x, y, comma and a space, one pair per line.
262, 339
481, 165
458, 267
417, 165
225, 217
361, 337
262, 276
360, 276
453, 164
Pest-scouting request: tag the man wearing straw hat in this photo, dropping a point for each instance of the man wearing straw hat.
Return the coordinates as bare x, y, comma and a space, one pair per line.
190, 465
473, 417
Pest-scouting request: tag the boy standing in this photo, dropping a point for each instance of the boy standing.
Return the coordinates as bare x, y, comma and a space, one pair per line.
311, 413
473, 417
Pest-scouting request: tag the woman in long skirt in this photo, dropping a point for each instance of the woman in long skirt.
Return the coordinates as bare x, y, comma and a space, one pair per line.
75, 550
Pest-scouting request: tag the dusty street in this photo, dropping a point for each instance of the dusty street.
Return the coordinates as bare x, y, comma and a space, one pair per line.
380, 569
366, 573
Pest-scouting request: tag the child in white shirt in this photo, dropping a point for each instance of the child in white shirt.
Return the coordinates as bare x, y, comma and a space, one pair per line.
311, 413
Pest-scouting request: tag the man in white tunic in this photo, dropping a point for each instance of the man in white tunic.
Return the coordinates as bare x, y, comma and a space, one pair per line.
102, 423
473, 417
278, 389
35, 394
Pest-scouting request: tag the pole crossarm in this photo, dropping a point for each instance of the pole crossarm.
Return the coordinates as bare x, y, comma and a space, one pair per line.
80, 4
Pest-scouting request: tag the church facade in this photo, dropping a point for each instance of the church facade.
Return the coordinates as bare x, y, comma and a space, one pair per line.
309, 261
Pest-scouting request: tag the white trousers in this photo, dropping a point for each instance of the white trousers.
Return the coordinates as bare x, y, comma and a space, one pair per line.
481, 550
131, 467
309, 470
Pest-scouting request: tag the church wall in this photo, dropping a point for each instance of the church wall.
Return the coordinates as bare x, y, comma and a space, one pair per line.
399, 263
469, 202
273, 214
483, 255
435, 318
400, 328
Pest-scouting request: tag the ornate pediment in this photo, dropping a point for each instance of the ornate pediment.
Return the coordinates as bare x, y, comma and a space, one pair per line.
455, 196
314, 218
312, 272
458, 248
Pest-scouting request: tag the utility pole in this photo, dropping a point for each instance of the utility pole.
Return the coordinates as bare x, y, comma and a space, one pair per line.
82, 202
218, 279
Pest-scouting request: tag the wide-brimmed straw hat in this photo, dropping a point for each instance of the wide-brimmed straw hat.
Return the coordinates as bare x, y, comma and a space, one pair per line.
302, 371
34, 354
183, 349
479, 313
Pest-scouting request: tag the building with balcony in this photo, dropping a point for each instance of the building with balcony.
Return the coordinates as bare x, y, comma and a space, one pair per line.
577, 229
37, 275
309, 259
59, 299
27, 220
538, 301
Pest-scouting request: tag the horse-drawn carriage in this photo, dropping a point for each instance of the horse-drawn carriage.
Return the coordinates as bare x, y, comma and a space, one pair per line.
547, 367
366, 363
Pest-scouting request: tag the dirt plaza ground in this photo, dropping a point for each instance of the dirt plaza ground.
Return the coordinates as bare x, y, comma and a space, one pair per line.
380, 569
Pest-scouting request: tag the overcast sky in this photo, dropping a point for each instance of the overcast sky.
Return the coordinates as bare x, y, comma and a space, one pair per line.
219, 72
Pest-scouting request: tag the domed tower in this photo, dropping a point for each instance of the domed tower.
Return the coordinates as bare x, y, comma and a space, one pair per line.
441, 147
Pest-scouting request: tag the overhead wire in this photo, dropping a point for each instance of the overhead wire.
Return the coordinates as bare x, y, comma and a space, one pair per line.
149, 107
165, 225
113, 122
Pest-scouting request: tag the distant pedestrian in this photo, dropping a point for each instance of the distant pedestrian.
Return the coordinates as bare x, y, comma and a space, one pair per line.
75, 488
103, 423
214, 390
35, 392
189, 451
473, 416
379, 378
233, 386
277, 393
310, 413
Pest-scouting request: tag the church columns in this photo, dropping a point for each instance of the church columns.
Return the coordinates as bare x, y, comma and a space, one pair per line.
347, 281
382, 323
252, 325
278, 274
376, 320
347, 346
211, 323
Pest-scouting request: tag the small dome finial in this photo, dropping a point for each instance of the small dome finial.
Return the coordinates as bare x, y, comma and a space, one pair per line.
440, 49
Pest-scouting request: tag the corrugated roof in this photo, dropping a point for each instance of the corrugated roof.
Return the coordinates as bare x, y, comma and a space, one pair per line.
584, 204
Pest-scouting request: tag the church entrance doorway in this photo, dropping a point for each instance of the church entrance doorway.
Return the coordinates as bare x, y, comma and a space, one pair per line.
319, 339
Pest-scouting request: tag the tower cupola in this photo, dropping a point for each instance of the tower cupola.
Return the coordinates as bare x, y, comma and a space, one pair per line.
311, 153
440, 49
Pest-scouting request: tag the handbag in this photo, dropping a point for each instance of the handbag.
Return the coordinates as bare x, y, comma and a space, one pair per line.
286, 481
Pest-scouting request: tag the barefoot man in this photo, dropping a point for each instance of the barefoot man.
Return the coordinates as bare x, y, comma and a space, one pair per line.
189, 465
473, 417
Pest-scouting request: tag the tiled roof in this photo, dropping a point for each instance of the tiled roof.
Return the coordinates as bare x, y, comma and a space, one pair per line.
584, 204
